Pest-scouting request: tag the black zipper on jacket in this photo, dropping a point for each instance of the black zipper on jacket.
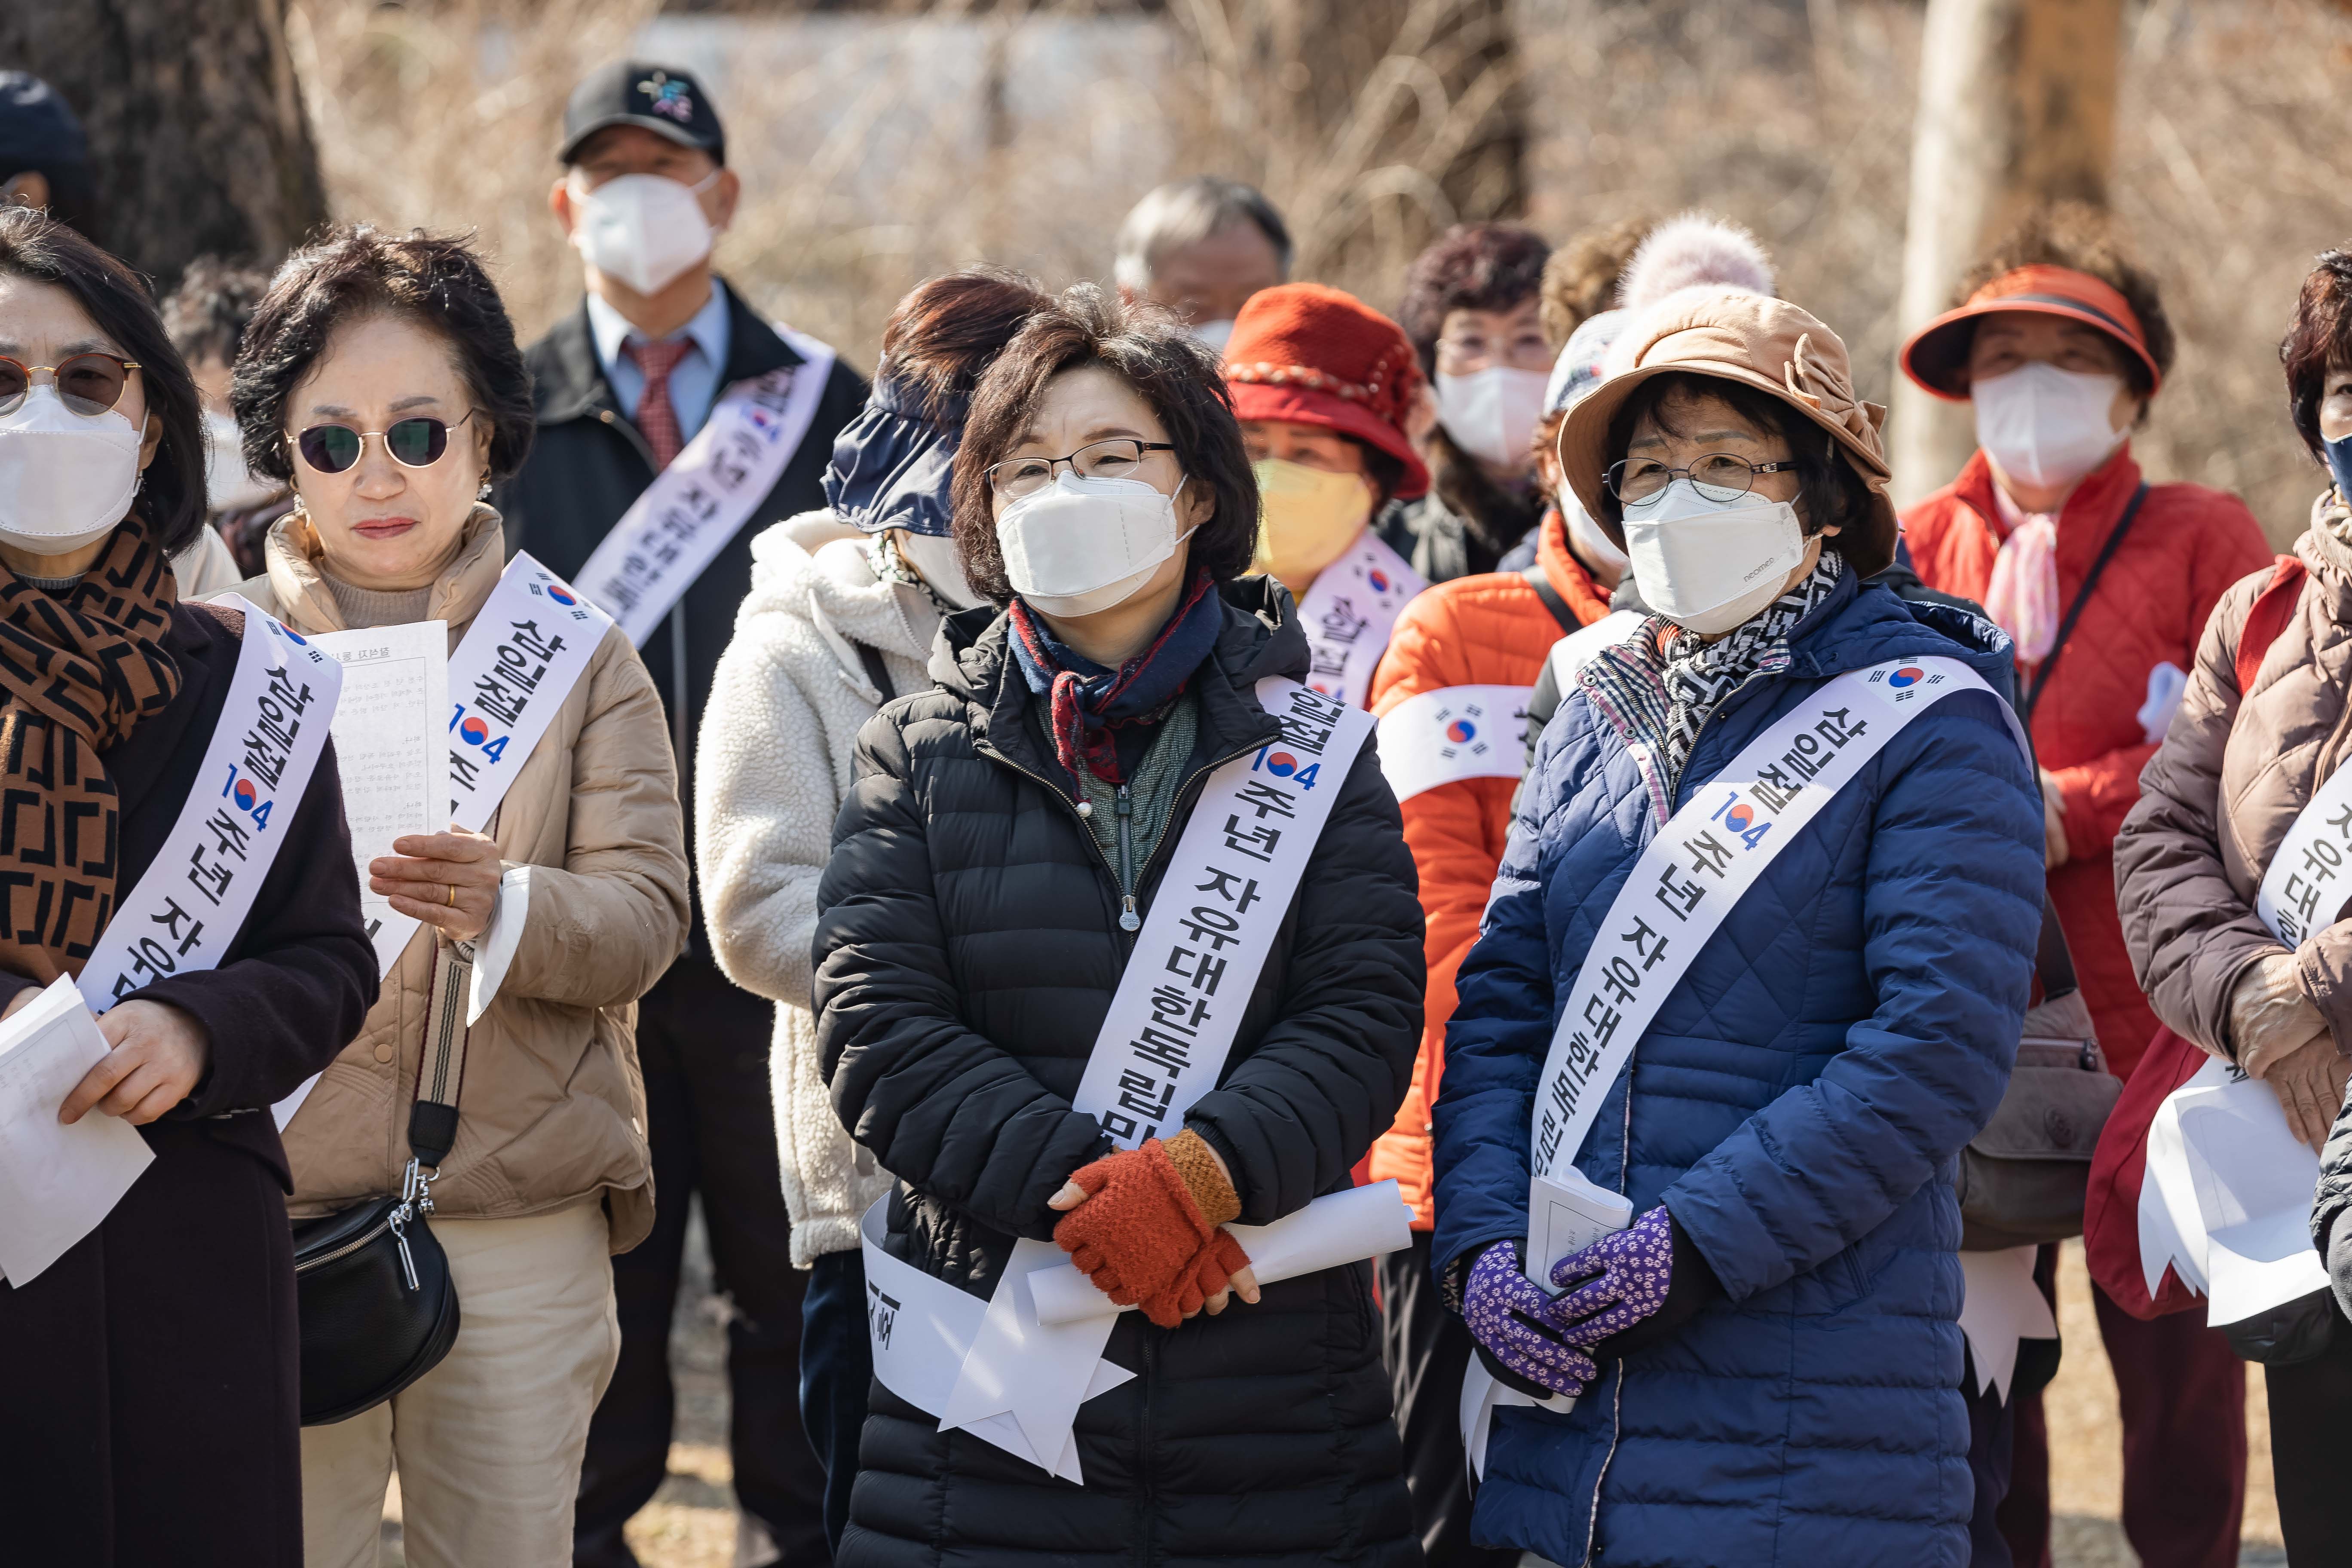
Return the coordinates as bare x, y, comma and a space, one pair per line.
1128, 920
1143, 1445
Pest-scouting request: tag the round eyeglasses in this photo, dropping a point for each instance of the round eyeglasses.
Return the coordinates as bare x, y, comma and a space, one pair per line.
1717, 476
414, 443
1114, 460
88, 384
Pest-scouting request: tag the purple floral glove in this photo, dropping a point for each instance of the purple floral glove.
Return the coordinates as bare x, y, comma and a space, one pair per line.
1624, 1279
1506, 1314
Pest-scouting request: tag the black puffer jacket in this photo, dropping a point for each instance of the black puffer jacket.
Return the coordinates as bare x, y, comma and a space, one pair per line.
967, 949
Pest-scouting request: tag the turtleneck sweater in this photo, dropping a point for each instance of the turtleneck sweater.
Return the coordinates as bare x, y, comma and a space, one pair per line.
372, 607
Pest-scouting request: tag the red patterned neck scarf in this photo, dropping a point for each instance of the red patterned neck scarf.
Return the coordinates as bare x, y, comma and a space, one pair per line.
79, 669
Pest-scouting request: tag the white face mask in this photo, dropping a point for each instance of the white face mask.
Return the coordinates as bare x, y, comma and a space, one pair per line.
1216, 334
65, 480
644, 229
2046, 426
933, 557
1591, 544
1492, 414
1080, 545
229, 484
1709, 565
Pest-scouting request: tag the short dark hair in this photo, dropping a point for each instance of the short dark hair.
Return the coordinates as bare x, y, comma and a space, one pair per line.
1150, 350
1829, 490
353, 272
2318, 338
207, 314
946, 330
35, 245
1470, 267
2081, 238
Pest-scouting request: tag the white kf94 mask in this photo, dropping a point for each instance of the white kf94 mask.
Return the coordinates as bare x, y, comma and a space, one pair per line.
1708, 565
66, 479
644, 229
1079, 545
2046, 426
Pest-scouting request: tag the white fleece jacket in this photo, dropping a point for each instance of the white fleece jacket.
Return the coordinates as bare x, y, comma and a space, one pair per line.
771, 766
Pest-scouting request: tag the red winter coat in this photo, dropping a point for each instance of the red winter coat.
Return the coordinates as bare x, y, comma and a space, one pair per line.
2186, 547
1487, 630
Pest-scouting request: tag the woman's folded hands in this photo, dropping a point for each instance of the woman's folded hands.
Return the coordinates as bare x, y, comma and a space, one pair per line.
1624, 1292
2277, 1035
1147, 1225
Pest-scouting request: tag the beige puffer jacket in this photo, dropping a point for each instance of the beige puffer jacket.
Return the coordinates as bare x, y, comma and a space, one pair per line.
2219, 796
553, 1109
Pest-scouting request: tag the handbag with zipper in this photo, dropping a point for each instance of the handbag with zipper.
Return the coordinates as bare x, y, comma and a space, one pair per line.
376, 1306
2023, 1179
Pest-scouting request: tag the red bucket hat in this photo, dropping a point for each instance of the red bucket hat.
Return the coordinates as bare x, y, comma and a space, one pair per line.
1307, 355
1939, 353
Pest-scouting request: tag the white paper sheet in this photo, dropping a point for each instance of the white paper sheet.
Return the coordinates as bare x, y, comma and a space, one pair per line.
57, 1183
2254, 1184
1337, 1228
2003, 1305
392, 746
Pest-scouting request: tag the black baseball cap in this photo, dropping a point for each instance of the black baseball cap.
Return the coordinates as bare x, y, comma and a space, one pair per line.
663, 100
38, 130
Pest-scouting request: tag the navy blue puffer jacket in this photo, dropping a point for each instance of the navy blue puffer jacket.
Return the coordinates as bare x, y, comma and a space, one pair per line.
1798, 1106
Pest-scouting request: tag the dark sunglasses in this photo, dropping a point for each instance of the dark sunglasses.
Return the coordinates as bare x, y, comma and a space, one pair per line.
416, 443
87, 383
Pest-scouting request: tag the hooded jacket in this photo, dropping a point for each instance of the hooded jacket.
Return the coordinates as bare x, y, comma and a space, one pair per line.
2186, 546
967, 949
1797, 1105
792, 693
1493, 629
553, 1109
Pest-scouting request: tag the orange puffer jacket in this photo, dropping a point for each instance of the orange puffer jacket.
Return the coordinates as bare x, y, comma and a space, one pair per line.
1487, 630
2185, 549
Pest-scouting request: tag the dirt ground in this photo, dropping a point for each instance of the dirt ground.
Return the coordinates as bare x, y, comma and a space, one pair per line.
691, 1522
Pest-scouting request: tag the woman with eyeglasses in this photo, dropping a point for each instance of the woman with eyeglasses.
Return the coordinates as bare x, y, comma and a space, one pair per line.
380, 379
152, 1396
1753, 972
1001, 867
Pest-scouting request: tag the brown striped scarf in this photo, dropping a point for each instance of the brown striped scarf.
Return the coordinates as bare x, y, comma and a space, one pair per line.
79, 669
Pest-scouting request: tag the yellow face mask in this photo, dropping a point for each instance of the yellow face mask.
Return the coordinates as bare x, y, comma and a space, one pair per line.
1307, 519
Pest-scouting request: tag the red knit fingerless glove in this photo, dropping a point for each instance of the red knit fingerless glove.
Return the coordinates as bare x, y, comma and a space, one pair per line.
1143, 1235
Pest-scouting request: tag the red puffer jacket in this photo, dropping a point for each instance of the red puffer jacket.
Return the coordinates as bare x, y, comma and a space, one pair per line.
1487, 630
2187, 545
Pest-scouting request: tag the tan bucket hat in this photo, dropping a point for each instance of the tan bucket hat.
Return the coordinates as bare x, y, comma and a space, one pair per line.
1766, 343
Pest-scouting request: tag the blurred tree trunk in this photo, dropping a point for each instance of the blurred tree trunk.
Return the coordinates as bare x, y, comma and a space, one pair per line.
2016, 105
1373, 123
197, 135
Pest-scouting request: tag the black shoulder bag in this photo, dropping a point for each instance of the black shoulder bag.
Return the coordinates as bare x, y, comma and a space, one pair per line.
376, 1306
2082, 597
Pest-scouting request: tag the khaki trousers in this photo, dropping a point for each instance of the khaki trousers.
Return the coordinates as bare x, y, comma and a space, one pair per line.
487, 1444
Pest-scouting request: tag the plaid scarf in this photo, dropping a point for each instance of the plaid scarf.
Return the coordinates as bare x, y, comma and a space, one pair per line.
1090, 702
79, 669
1663, 684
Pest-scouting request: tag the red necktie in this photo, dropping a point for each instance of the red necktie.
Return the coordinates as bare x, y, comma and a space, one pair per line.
656, 419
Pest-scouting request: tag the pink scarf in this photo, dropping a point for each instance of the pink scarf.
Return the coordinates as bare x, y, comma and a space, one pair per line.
2022, 598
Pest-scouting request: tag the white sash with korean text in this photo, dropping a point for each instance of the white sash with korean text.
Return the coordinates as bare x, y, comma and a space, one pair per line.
686, 516
2221, 1166
528, 646
195, 894
2307, 883
1681, 887
997, 1369
1454, 732
1348, 614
